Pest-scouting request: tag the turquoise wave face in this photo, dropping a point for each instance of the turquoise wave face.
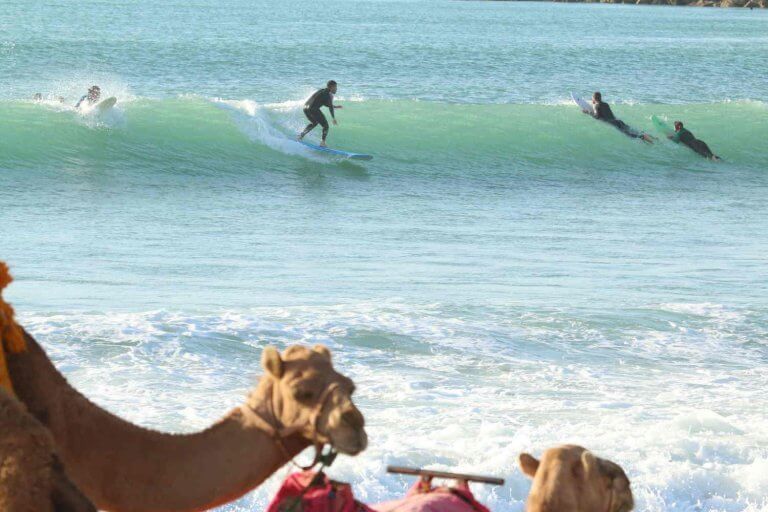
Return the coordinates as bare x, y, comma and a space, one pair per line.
487, 138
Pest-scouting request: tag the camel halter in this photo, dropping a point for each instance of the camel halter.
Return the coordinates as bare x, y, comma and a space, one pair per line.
279, 432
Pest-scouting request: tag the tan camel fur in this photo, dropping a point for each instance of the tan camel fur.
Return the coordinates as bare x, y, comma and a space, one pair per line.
31, 477
122, 467
571, 479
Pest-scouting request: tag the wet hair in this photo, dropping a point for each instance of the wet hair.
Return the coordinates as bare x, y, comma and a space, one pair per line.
331, 83
598, 96
95, 88
678, 123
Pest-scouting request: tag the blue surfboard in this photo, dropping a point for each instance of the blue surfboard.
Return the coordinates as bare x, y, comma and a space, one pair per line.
337, 152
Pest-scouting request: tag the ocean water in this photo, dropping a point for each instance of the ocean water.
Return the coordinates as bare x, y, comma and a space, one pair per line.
506, 275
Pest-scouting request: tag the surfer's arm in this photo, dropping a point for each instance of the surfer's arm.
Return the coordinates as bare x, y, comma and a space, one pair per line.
77, 105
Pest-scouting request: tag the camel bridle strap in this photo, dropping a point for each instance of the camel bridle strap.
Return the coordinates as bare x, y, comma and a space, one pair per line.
278, 432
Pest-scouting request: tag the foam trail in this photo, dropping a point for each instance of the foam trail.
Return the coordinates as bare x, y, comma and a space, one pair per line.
256, 122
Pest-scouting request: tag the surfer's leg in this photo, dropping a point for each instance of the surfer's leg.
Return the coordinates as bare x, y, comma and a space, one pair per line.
322, 121
625, 129
701, 148
308, 129
631, 132
312, 122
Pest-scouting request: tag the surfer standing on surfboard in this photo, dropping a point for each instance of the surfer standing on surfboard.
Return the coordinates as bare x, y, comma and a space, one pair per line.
94, 93
603, 112
321, 98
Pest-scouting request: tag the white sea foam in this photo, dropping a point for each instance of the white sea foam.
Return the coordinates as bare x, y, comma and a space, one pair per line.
461, 389
274, 125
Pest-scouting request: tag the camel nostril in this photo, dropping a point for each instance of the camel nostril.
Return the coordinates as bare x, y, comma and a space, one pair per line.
352, 418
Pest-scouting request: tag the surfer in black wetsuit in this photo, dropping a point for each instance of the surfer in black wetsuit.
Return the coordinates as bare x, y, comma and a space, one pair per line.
603, 112
321, 98
94, 93
684, 136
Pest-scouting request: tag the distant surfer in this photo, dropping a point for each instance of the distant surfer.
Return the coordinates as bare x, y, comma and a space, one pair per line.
683, 136
321, 98
602, 111
38, 97
94, 93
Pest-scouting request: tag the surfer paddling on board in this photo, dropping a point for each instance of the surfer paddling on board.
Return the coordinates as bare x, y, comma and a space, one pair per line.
321, 98
602, 111
94, 93
684, 136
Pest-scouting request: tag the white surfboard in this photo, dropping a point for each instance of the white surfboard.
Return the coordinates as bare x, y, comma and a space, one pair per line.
583, 105
337, 152
106, 104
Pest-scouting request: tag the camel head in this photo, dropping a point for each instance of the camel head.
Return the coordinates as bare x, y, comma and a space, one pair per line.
306, 394
571, 479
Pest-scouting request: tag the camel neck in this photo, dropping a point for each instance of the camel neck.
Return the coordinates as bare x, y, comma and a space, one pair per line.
124, 467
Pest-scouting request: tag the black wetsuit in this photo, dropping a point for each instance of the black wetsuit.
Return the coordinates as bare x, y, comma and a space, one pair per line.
321, 98
685, 137
603, 112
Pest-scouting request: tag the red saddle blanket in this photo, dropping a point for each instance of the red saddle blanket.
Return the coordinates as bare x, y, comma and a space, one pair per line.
315, 492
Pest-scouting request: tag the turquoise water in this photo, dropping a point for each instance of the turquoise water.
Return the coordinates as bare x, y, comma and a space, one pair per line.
504, 259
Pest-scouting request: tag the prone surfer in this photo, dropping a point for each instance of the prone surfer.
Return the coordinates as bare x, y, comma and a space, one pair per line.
94, 93
683, 136
602, 111
321, 98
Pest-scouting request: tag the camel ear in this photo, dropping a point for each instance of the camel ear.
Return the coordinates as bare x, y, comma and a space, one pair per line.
528, 464
589, 462
271, 361
323, 351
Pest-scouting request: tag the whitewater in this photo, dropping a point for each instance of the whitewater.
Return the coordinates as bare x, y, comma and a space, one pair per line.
506, 275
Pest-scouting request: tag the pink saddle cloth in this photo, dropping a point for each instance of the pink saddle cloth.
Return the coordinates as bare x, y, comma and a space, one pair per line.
312, 492
434, 499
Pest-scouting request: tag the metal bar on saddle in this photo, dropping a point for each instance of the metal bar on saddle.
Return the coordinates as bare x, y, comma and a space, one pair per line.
402, 470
